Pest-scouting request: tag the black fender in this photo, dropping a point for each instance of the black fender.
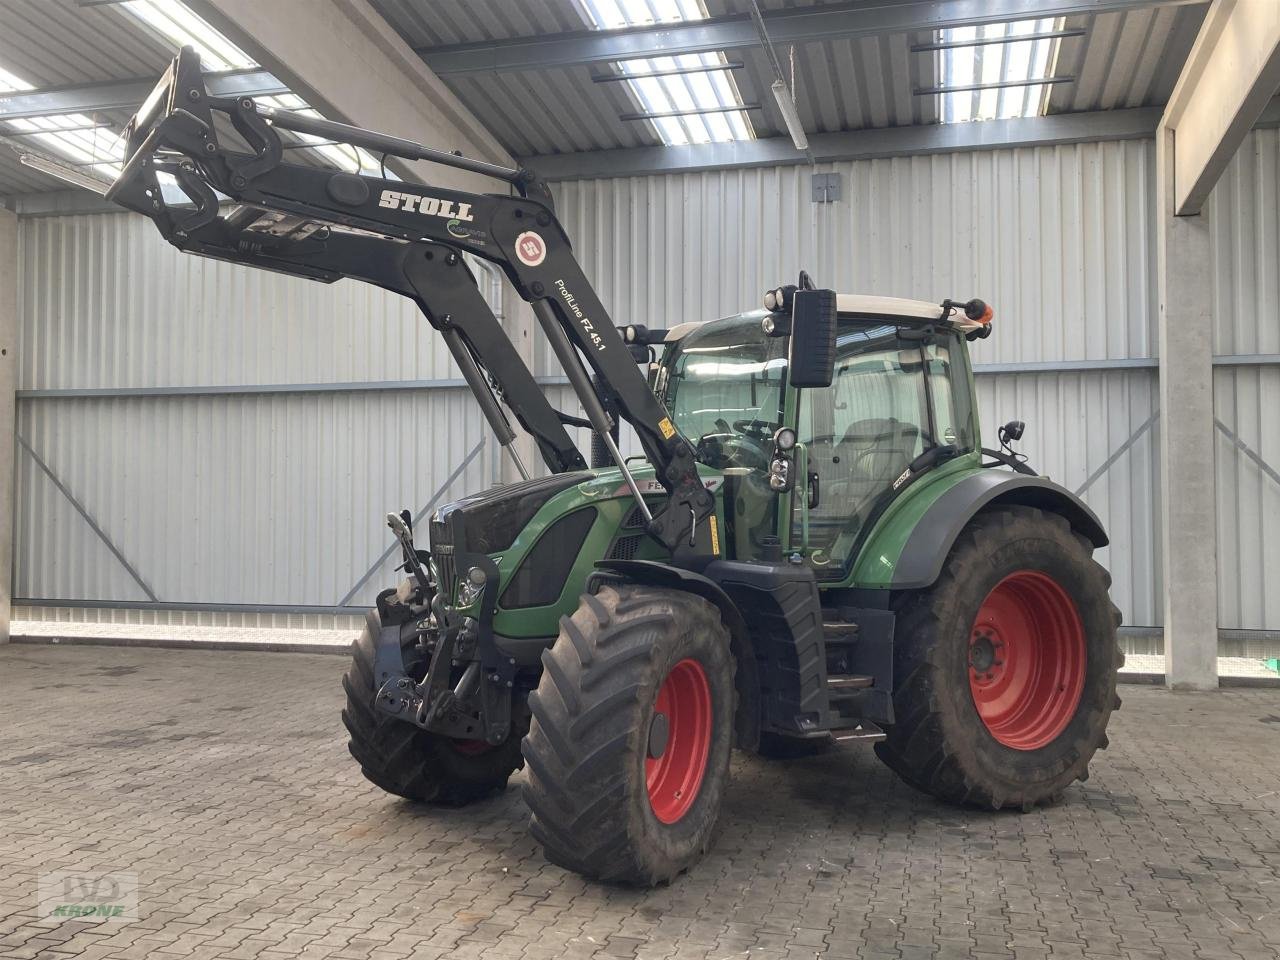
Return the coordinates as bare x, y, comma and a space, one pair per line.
930, 542
747, 681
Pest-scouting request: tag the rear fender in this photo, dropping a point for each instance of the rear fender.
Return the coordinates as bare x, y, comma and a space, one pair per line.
656, 574
929, 543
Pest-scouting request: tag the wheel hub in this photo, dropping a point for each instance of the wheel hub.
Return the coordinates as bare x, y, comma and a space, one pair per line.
679, 741
1027, 660
982, 653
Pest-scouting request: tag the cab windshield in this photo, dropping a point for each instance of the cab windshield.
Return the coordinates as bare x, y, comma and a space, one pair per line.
725, 389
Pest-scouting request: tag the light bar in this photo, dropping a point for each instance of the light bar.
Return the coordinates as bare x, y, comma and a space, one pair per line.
790, 117
63, 172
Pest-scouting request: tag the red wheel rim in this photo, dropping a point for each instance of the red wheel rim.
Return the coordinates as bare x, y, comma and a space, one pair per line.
472, 748
679, 741
1026, 660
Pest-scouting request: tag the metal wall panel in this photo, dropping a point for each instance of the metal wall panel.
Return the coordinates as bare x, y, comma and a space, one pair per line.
274, 499
106, 302
1056, 238
1245, 219
271, 500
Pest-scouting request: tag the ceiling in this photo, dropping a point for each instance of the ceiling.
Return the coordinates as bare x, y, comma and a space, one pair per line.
1126, 59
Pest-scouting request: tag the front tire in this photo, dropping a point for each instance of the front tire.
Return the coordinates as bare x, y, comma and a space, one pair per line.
413, 763
1005, 669
632, 725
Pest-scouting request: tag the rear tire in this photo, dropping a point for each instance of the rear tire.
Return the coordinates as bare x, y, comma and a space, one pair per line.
410, 762
636, 672
1005, 668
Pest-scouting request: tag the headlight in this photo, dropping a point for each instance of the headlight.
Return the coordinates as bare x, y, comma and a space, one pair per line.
470, 589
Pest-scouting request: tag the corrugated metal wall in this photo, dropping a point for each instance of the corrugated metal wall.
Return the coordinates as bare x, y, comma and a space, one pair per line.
267, 498
275, 497
1058, 239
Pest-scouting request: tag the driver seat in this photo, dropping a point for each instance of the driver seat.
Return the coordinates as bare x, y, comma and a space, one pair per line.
875, 453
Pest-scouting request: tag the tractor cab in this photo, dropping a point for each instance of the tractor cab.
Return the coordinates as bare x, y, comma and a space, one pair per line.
815, 468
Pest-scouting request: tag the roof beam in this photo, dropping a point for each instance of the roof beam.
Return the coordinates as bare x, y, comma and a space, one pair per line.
853, 145
126, 94
736, 33
1231, 75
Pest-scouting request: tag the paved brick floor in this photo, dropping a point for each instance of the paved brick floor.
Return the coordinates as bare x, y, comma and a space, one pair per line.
222, 781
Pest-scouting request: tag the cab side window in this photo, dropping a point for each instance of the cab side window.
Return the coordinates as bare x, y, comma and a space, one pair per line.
951, 410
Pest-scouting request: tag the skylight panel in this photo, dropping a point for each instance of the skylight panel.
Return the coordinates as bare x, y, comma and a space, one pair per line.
11, 83
989, 74
689, 98
616, 14
174, 21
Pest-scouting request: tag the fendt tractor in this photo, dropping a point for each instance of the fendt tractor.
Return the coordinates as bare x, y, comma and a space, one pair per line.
814, 547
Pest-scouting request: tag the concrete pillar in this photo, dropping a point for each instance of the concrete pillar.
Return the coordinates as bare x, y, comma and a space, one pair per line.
1230, 75
1188, 502
8, 383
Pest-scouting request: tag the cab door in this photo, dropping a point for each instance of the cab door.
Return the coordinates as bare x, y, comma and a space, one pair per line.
890, 400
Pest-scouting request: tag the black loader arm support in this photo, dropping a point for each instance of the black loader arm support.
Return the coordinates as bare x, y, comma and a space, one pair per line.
181, 133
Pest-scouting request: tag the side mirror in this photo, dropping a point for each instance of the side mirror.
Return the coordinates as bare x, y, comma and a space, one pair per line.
812, 362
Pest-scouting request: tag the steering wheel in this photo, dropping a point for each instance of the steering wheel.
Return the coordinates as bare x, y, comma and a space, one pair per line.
760, 430
732, 449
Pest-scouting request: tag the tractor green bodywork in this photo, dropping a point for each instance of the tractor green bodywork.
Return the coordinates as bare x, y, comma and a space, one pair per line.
752, 508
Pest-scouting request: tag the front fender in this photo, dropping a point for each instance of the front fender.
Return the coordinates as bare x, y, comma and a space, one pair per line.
926, 547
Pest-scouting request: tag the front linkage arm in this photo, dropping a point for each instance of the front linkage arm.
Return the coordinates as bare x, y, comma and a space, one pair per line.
175, 133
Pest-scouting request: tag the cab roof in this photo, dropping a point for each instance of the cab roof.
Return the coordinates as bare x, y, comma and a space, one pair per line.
848, 303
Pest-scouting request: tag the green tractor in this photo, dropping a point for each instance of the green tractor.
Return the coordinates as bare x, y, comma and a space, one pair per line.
813, 548
876, 580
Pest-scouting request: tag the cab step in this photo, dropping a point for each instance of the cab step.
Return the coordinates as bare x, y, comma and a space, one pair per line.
838, 633
851, 682
864, 732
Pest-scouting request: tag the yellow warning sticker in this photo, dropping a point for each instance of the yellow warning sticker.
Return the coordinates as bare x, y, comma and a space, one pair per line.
667, 427
715, 535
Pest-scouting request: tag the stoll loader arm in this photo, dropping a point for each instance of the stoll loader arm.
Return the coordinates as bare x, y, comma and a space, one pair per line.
397, 234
